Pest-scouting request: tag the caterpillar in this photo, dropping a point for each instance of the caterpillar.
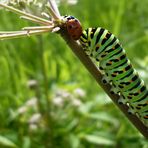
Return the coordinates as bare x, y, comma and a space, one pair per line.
103, 47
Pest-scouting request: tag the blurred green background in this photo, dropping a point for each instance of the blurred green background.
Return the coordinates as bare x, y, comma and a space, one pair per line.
49, 100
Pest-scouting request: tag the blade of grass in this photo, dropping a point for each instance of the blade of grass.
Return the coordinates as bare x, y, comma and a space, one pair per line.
119, 16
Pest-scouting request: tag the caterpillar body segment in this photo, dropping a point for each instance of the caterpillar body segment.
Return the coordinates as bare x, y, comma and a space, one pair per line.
111, 63
125, 84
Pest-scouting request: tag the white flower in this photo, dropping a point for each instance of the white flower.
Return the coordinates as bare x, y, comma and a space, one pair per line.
79, 92
142, 73
63, 94
58, 101
22, 109
35, 118
72, 2
32, 102
33, 127
76, 102
39, 5
4, 1
32, 83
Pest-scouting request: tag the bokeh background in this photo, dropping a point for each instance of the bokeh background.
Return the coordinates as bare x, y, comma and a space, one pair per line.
48, 99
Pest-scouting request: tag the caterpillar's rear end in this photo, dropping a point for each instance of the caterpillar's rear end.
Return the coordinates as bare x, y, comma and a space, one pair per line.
106, 49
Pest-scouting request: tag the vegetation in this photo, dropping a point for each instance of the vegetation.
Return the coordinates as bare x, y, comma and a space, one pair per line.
48, 99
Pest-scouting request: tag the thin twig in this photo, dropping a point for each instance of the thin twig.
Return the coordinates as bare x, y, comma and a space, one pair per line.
20, 34
38, 28
24, 14
52, 13
10, 32
54, 10
90, 66
35, 21
45, 15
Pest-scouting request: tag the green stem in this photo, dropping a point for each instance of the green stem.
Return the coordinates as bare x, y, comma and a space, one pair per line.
43, 68
49, 141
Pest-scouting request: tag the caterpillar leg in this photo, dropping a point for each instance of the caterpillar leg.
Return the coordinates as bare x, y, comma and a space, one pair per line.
106, 79
131, 109
114, 90
144, 118
122, 100
142, 114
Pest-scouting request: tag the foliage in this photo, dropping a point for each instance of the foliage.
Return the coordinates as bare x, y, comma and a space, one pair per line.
47, 98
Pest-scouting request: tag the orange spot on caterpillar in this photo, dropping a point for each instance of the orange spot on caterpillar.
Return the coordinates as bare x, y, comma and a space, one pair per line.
124, 70
97, 46
114, 74
146, 117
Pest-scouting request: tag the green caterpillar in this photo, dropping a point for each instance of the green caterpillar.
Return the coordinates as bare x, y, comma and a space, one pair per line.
105, 48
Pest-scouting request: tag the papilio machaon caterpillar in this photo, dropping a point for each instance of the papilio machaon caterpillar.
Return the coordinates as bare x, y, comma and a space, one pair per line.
102, 46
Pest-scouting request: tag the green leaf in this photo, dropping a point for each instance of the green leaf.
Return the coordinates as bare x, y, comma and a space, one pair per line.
6, 142
99, 140
102, 116
74, 141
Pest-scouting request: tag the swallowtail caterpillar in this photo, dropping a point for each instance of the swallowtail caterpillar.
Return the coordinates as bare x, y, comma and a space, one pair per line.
102, 46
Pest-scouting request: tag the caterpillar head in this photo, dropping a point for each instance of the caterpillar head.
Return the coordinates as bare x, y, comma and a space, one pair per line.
74, 27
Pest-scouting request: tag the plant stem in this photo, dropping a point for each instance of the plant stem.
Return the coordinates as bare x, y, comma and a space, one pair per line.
90, 66
43, 68
47, 110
